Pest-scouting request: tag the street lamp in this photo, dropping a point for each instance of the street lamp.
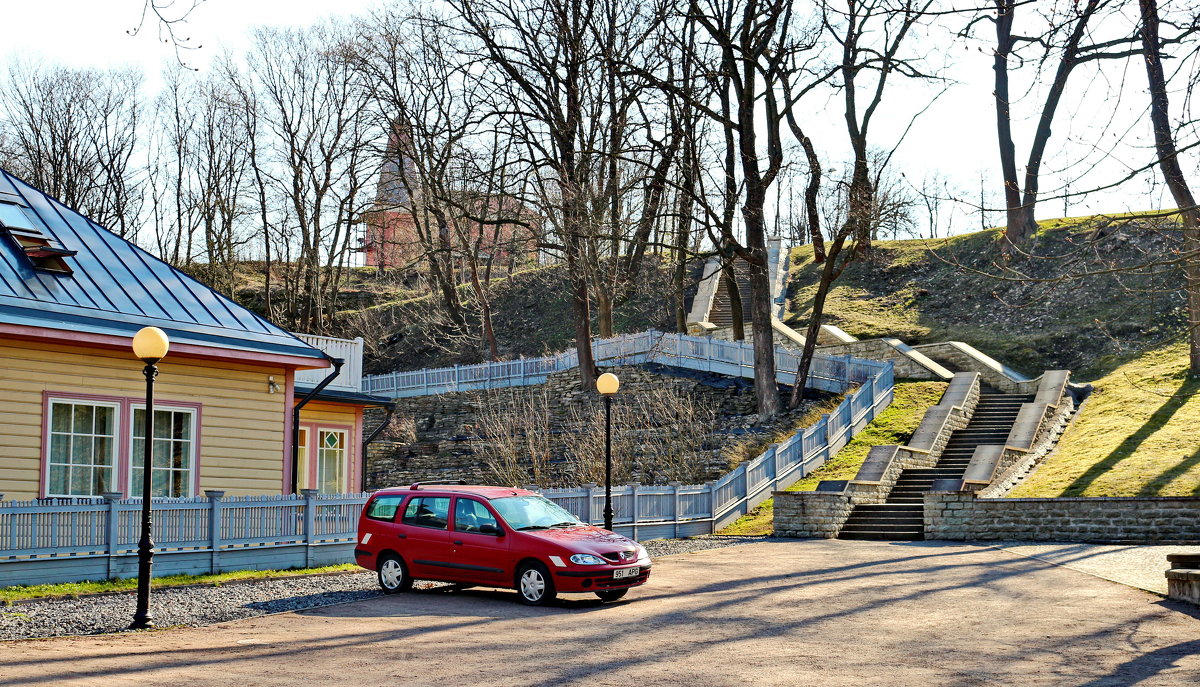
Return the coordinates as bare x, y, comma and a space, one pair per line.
150, 345
607, 385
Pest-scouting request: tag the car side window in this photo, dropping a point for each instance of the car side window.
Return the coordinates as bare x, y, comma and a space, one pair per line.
471, 515
384, 508
428, 511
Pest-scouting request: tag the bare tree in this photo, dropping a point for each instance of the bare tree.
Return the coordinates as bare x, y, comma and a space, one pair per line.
73, 133
1064, 42
1172, 171
541, 60
314, 160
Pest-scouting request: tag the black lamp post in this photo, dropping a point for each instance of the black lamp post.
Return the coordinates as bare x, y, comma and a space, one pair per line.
150, 345
607, 385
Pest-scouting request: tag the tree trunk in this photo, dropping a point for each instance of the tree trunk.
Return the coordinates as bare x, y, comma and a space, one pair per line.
1168, 162
604, 313
1025, 220
828, 276
765, 384
1017, 228
811, 201
583, 334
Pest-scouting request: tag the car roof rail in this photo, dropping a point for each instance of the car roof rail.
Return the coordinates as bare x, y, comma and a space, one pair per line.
417, 485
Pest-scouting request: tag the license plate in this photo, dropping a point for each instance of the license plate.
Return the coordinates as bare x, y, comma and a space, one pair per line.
627, 572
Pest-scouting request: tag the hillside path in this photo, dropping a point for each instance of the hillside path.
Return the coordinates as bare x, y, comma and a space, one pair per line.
769, 613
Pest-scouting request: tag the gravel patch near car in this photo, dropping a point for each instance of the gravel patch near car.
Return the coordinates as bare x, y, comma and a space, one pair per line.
670, 547
187, 606
206, 605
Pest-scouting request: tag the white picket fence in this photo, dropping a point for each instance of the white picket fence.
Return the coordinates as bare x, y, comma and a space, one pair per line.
66, 540
61, 540
732, 358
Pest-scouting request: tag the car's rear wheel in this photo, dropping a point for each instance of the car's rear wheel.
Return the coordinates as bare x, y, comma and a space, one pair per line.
611, 594
393, 574
534, 584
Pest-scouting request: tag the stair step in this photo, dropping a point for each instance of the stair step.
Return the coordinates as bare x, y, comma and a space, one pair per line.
883, 528
883, 524
883, 507
883, 536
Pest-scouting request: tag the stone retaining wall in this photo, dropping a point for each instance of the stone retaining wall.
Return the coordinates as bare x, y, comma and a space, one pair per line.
1119, 520
434, 437
909, 364
810, 514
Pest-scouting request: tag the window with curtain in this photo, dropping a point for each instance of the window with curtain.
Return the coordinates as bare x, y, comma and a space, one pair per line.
81, 456
331, 460
172, 452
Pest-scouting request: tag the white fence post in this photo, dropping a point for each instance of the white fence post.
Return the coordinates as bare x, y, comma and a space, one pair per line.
214, 527
589, 489
114, 518
633, 496
675, 507
310, 524
711, 489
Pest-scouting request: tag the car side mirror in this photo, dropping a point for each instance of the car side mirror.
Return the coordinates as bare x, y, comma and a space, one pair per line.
491, 529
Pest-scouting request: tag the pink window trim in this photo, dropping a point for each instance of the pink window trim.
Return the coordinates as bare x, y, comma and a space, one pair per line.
289, 404
314, 439
123, 464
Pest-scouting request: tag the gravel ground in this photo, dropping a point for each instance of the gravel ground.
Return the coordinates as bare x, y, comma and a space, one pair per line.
198, 606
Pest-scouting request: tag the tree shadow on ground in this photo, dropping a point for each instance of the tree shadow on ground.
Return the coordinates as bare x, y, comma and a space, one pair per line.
1132, 442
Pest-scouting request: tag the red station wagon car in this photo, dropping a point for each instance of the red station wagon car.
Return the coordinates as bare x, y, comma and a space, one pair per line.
493, 537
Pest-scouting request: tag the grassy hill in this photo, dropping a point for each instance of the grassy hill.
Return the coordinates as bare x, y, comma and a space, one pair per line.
922, 291
1136, 435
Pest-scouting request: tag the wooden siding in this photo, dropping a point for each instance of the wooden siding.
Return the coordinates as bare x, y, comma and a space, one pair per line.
242, 425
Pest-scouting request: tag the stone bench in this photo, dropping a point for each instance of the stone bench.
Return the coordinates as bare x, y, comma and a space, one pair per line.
1183, 579
1184, 561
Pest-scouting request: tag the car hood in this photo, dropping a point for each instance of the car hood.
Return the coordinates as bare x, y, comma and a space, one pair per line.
584, 539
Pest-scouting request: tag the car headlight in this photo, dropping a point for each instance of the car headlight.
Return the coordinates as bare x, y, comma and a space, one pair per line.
587, 559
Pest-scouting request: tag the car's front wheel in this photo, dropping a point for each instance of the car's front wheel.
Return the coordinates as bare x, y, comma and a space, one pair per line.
393, 574
611, 594
534, 584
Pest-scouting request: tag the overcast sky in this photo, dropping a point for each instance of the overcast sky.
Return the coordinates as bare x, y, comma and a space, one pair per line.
955, 136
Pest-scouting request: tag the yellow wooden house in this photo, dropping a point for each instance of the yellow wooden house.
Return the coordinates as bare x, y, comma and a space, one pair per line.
241, 405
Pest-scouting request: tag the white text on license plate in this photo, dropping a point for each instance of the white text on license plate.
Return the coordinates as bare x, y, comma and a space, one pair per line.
627, 572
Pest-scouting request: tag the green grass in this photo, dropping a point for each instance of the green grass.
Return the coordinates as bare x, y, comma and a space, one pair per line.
931, 290
894, 425
39, 591
1136, 436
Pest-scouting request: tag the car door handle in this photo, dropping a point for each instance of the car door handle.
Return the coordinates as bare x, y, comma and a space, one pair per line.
458, 542
401, 536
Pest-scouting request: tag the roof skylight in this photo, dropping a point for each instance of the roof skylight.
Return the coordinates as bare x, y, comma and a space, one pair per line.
42, 253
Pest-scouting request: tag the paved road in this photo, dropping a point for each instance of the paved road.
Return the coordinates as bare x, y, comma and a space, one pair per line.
774, 613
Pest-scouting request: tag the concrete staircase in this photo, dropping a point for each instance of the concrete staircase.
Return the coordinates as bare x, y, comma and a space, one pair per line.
721, 313
901, 516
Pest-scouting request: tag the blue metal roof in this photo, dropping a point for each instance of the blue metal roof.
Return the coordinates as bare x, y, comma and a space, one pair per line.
339, 396
116, 288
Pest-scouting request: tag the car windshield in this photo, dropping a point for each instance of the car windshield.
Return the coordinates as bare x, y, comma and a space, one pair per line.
533, 513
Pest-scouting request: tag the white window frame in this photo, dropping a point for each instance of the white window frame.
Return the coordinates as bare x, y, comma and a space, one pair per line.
115, 464
135, 486
344, 463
